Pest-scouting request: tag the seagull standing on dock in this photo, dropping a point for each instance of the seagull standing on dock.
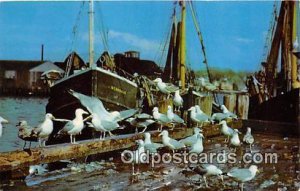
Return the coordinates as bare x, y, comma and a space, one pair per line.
162, 119
189, 141
43, 130
207, 170
235, 140
243, 174
177, 100
75, 126
200, 112
137, 156
197, 147
198, 118
174, 117
142, 120
169, 142
228, 113
165, 88
225, 130
2, 120
25, 133
248, 138
149, 145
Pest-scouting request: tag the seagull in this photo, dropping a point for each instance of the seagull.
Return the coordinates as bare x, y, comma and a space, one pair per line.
163, 87
198, 118
2, 120
200, 112
75, 126
25, 133
225, 130
296, 44
177, 99
228, 113
174, 117
161, 118
140, 123
44, 129
217, 117
189, 141
169, 142
37, 169
136, 157
149, 146
235, 140
102, 120
243, 174
248, 138
207, 170
197, 147
207, 85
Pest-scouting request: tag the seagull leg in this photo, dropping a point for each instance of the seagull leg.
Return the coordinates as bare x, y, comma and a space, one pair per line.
24, 145
110, 134
144, 129
204, 177
71, 140
250, 149
242, 186
133, 169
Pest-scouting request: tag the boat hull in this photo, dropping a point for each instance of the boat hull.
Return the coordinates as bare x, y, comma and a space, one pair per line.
116, 93
282, 108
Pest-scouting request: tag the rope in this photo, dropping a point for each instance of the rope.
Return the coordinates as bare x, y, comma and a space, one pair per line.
197, 26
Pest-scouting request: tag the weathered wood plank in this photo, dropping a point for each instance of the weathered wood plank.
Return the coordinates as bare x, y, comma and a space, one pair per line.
11, 161
205, 104
230, 102
242, 106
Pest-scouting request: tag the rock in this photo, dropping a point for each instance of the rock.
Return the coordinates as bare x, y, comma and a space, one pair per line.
267, 183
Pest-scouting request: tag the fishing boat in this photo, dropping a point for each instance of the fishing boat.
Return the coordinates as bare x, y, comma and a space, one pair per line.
275, 89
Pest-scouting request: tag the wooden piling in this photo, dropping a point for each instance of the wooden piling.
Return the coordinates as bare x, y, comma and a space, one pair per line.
205, 104
242, 106
230, 102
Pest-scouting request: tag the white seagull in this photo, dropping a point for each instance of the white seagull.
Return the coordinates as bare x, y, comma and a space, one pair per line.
174, 117
163, 87
169, 142
44, 129
162, 119
2, 120
248, 138
197, 147
75, 126
149, 145
200, 112
235, 140
225, 130
198, 118
243, 174
189, 141
177, 100
228, 113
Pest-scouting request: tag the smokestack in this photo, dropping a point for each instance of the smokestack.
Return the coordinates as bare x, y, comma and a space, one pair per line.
42, 53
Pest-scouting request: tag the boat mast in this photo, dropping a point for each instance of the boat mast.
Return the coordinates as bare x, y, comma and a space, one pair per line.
91, 33
182, 45
295, 82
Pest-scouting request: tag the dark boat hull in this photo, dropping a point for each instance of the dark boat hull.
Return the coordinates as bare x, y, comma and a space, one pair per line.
282, 108
116, 93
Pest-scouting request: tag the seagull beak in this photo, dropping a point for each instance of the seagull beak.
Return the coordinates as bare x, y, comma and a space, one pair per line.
5, 121
160, 134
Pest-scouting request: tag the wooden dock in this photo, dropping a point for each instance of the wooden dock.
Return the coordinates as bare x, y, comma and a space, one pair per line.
17, 161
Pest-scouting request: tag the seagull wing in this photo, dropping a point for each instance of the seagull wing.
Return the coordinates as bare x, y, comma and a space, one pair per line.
171, 87
240, 174
178, 119
68, 126
176, 144
126, 114
109, 125
92, 104
189, 140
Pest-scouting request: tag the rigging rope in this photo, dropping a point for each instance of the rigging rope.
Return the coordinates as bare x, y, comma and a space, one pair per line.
103, 30
75, 27
197, 26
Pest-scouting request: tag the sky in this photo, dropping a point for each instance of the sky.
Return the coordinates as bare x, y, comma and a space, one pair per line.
234, 32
